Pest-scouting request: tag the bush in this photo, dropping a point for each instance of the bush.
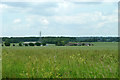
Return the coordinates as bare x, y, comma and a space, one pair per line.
20, 44
44, 44
83, 44
7, 43
31, 44
60, 43
13, 44
26, 44
38, 44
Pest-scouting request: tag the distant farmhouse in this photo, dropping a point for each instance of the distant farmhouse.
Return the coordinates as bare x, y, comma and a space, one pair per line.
79, 44
38, 43
28, 42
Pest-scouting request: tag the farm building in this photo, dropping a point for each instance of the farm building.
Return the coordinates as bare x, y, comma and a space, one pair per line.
28, 42
79, 44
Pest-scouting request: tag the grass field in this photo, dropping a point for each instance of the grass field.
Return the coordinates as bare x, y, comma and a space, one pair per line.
99, 61
0, 62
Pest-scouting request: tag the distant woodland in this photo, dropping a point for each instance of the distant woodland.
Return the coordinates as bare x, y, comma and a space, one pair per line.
54, 40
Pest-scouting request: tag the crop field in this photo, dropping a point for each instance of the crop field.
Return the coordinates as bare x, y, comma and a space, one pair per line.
98, 61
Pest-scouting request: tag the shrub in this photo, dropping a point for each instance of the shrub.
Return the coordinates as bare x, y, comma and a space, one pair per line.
31, 44
60, 43
83, 44
20, 44
44, 44
13, 44
26, 44
7, 43
38, 44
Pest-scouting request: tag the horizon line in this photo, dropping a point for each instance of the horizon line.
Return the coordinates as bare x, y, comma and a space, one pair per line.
64, 36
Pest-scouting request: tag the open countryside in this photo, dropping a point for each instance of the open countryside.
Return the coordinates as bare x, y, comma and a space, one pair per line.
53, 39
98, 61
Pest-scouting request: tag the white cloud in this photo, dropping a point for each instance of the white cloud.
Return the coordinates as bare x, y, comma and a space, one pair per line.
4, 6
17, 21
81, 18
98, 19
44, 21
59, 0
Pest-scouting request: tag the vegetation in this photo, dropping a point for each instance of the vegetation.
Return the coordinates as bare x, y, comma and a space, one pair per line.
13, 44
38, 44
44, 44
31, 44
0, 62
99, 61
26, 44
7, 43
54, 40
20, 43
61, 43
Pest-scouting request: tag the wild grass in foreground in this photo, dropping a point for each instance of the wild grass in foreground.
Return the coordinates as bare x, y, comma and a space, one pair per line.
60, 62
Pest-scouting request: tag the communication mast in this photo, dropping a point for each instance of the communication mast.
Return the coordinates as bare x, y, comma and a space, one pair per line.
40, 39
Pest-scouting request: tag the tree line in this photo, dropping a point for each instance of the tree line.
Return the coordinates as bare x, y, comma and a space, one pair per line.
7, 43
59, 41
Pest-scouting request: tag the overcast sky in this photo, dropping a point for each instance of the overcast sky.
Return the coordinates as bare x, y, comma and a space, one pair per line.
66, 18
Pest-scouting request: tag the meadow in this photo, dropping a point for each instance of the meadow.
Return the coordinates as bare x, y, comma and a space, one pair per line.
98, 61
0, 62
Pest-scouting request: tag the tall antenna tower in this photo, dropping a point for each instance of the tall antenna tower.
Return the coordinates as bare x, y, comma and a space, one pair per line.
40, 39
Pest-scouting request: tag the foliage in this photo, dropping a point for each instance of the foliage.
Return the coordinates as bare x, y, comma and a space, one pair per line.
31, 44
26, 44
83, 44
38, 44
13, 44
54, 40
7, 43
44, 43
60, 43
20, 43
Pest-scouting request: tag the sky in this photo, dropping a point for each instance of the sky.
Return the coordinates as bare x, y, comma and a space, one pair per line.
65, 18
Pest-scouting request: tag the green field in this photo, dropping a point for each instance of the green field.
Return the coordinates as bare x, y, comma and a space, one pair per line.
0, 69
99, 61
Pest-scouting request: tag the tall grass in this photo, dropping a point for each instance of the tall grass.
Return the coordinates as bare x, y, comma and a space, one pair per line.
60, 62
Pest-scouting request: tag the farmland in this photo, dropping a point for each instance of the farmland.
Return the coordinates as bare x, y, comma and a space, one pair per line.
98, 61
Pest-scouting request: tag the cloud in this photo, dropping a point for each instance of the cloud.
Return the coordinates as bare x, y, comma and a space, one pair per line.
59, 0
17, 21
84, 18
68, 17
44, 21
32, 8
3, 6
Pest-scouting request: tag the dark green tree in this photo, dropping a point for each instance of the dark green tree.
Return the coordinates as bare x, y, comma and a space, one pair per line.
83, 44
26, 44
13, 44
7, 43
62, 43
38, 44
20, 43
44, 43
31, 44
